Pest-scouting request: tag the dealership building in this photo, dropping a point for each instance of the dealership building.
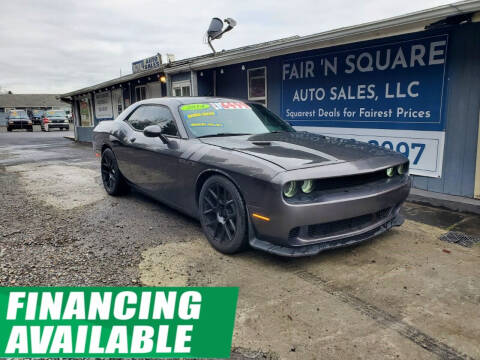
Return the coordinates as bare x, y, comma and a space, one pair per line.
409, 83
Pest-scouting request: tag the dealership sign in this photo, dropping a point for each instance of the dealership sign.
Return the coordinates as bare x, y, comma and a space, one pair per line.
389, 95
152, 62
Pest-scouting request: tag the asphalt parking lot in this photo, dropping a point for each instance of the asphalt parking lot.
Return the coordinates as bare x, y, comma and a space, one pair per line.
404, 295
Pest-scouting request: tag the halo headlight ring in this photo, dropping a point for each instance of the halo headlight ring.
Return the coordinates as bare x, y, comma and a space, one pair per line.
290, 189
402, 169
307, 186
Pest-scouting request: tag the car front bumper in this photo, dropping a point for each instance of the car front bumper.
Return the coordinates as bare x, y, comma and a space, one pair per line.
19, 125
58, 125
340, 218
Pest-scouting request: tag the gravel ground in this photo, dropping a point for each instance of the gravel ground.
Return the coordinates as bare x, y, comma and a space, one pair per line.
91, 245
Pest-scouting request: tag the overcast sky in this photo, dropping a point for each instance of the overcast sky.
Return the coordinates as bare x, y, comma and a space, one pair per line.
60, 46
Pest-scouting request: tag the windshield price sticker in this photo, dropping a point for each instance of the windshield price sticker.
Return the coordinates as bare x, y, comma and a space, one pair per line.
237, 105
117, 322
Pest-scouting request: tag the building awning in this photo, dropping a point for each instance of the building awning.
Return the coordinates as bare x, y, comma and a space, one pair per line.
113, 82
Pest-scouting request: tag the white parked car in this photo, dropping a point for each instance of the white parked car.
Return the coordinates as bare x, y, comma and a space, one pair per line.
55, 119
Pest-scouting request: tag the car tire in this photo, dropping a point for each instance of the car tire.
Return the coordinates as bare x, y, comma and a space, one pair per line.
223, 215
9, 129
112, 179
30, 129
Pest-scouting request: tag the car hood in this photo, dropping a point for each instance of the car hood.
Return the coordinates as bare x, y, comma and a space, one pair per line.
298, 150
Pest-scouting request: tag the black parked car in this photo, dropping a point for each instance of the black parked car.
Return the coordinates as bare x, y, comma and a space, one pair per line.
18, 119
55, 119
37, 116
250, 177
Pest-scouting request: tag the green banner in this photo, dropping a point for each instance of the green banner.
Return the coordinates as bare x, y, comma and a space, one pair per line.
147, 322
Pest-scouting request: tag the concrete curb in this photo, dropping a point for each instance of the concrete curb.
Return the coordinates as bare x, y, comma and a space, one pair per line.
450, 202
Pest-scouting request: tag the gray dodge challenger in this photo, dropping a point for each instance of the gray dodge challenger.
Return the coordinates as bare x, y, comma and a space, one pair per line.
249, 177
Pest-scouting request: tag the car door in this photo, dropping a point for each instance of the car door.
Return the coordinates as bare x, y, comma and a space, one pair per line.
151, 164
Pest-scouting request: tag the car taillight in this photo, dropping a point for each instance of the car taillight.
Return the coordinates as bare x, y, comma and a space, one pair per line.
46, 121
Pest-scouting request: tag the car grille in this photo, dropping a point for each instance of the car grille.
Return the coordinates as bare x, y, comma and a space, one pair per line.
293, 234
347, 225
346, 185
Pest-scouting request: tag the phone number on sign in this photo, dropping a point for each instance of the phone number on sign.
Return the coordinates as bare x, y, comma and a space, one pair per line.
403, 148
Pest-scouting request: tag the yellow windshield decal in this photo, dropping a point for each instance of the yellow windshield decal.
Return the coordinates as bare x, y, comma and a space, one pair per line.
190, 107
206, 124
194, 115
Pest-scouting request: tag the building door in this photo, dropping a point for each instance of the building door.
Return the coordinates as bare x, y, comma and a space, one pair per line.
181, 88
117, 102
140, 93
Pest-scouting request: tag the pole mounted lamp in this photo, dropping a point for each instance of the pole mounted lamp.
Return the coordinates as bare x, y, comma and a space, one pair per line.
216, 30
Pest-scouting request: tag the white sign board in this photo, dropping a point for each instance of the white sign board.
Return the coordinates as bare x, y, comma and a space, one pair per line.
103, 105
424, 149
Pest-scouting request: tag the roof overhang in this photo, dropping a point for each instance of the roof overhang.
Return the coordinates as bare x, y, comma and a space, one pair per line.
106, 85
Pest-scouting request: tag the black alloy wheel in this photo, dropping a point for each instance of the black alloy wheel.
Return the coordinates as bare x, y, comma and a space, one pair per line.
112, 179
223, 215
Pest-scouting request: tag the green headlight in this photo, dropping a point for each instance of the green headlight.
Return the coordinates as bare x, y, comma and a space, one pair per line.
307, 186
402, 169
290, 189
390, 172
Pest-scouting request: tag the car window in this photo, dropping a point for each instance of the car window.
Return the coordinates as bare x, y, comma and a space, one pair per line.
232, 118
146, 115
17, 114
55, 113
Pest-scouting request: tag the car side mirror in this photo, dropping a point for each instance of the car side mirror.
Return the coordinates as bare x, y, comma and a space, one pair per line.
155, 131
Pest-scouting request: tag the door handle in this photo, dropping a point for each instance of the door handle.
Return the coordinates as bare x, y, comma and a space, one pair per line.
133, 139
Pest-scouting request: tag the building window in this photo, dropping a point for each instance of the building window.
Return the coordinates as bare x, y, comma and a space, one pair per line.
140, 93
181, 88
257, 85
85, 114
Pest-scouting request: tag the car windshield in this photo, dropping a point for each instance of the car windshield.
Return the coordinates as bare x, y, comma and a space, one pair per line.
37, 112
55, 113
230, 118
18, 114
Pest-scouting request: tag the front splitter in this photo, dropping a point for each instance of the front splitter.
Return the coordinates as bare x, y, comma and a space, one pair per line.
314, 249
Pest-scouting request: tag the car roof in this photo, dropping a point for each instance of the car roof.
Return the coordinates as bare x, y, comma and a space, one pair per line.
178, 100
